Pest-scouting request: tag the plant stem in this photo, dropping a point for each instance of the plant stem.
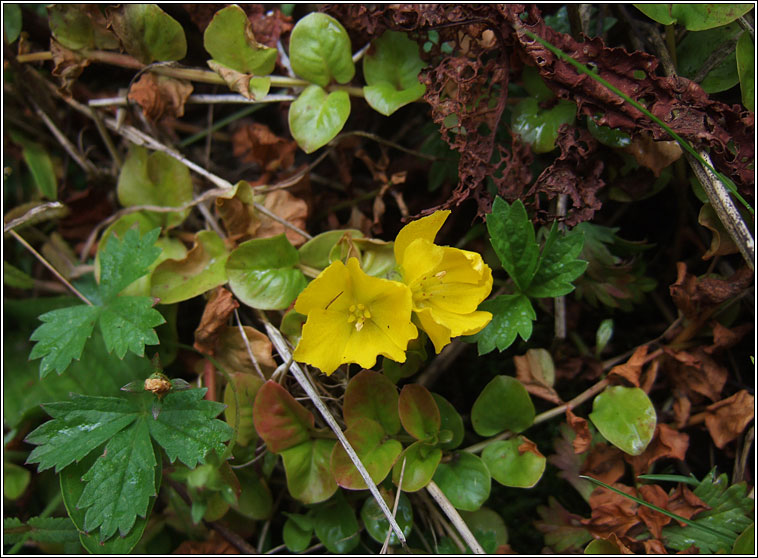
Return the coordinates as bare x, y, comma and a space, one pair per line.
454, 517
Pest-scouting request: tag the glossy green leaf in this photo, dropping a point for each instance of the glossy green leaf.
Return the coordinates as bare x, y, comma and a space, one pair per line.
745, 543
418, 412
297, 536
336, 526
512, 237
202, 269
606, 135
126, 473
503, 404
377, 256
78, 26
694, 17
695, 48
603, 335
316, 117
558, 264
376, 522
451, 421
370, 395
155, 179
187, 427
320, 50
415, 357
280, 421
465, 480
148, 33
515, 462
40, 529
367, 437
255, 500
229, 40
511, 315
421, 461
262, 273
12, 20
486, 522
308, 471
539, 127
40, 164
602, 546
391, 71
535, 85
247, 386
16, 479
746, 70
625, 417
315, 252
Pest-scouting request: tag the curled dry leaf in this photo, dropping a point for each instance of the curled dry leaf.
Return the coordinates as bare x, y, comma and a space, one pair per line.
68, 65
654, 155
231, 350
725, 338
288, 207
653, 494
581, 428
528, 446
726, 419
685, 503
256, 143
666, 443
695, 372
632, 368
217, 310
160, 96
604, 463
693, 295
611, 512
536, 371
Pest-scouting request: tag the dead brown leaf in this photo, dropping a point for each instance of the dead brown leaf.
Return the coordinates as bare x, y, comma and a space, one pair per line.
654, 155
536, 371
666, 443
611, 512
207, 548
288, 207
632, 368
654, 546
695, 372
685, 503
725, 338
569, 463
581, 428
217, 310
605, 463
160, 96
232, 352
681, 408
256, 143
726, 419
528, 446
562, 529
653, 494
694, 295
68, 65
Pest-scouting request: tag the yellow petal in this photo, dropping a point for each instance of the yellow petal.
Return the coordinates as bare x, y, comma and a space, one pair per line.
438, 333
332, 290
422, 260
325, 336
426, 228
460, 324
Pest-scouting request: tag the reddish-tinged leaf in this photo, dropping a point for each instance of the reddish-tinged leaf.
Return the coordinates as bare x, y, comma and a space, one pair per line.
605, 463
418, 412
367, 438
563, 530
536, 371
281, 421
569, 463
371, 395
217, 310
653, 494
666, 443
727, 418
581, 428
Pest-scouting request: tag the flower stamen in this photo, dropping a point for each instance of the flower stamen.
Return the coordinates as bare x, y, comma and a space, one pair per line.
358, 315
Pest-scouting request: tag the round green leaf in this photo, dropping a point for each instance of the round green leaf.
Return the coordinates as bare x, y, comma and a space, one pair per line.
69, 24
370, 395
307, 467
320, 50
16, 479
315, 252
148, 33
376, 523
625, 417
694, 17
297, 537
451, 421
315, 117
539, 127
695, 49
535, 85
487, 522
421, 461
746, 70
199, 271
504, 404
12, 21
514, 462
418, 412
247, 386
465, 480
607, 135
602, 546
262, 274
254, 500
367, 438
155, 179
229, 40
336, 525
391, 70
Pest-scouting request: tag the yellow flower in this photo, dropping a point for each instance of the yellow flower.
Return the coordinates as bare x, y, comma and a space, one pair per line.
448, 284
353, 317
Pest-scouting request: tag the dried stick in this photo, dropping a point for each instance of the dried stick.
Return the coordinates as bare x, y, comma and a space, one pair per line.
281, 347
454, 517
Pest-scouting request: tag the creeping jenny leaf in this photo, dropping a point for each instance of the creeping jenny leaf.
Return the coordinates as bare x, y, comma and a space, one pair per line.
320, 50
366, 436
308, 471
539, 127
187, 427
262, 273
391, 70
336, 526
511, 315
451, 421
418, 412
316, 117
370, 395
694, 17
503, 404
148, 33
229, 40
465, 481
421, 461
515, 462
376, 522
625, 417
695, 48
746, 69
279, 419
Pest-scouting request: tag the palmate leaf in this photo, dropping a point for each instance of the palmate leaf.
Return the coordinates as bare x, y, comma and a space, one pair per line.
511, 315
126, 322
40, 529
121, 482
558, 265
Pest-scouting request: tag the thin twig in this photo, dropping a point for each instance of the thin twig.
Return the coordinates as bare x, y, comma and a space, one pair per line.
454, 517
199, 99
80, 159
281, 347
394, 507
559, 302
50, 267
247, 346
42, 212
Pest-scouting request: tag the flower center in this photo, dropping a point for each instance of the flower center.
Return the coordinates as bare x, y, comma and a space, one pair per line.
358, 314
422, 289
